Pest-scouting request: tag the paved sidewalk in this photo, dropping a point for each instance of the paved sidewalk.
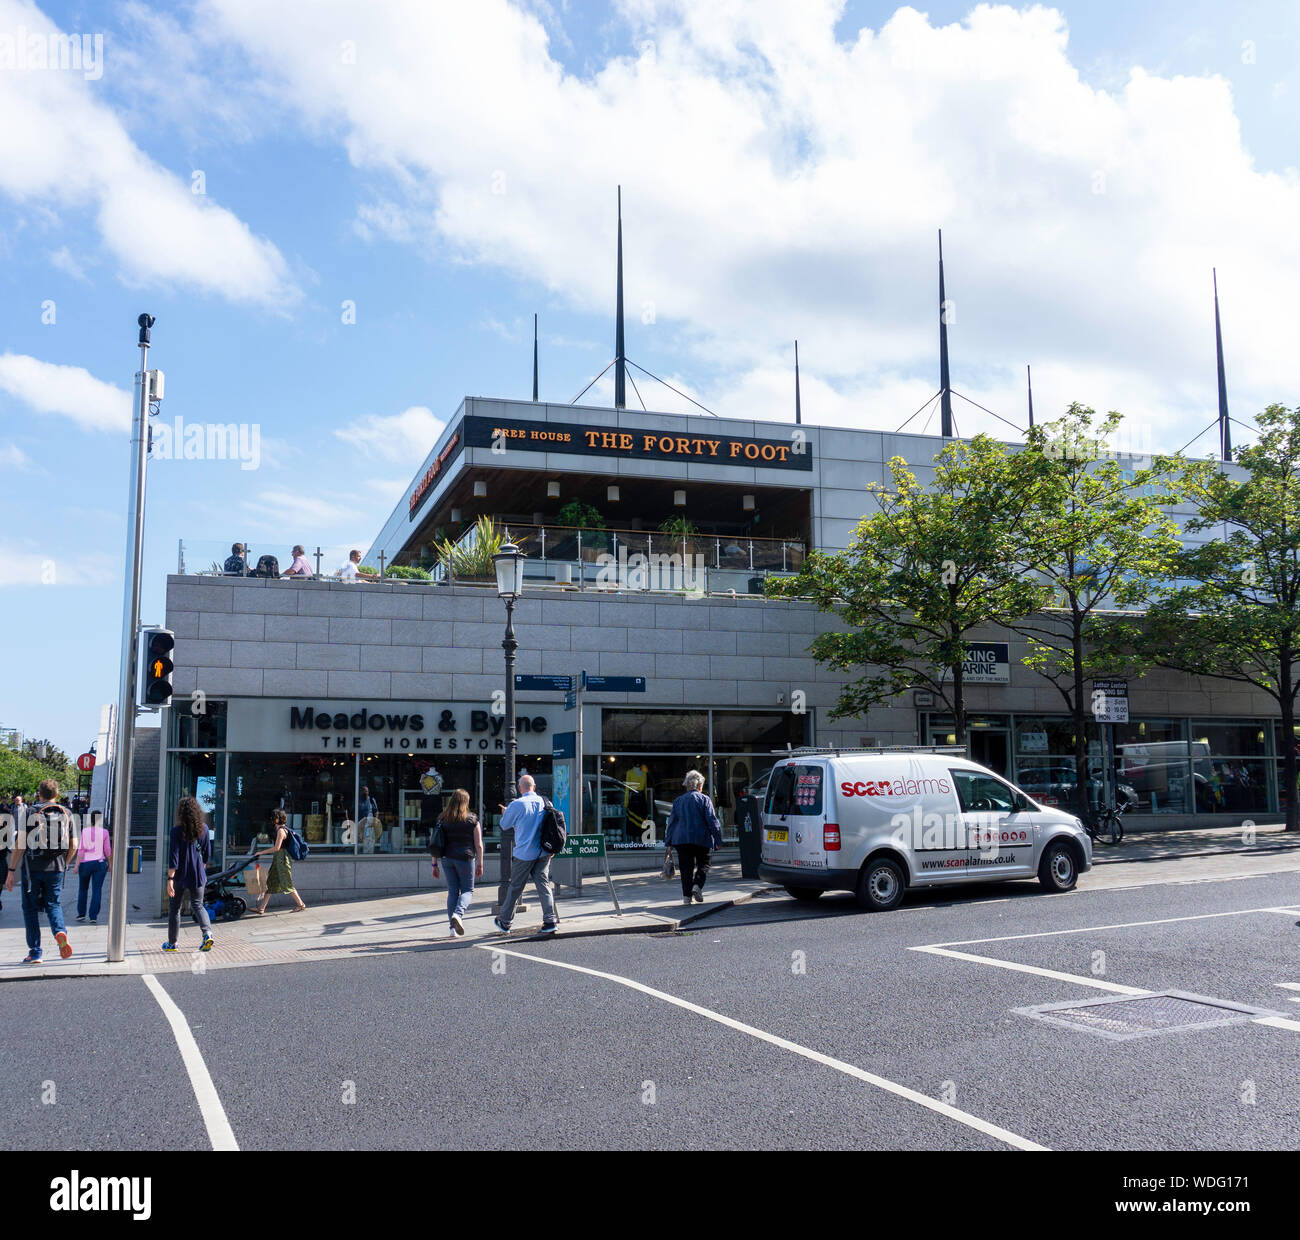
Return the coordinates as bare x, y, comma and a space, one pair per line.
417, 922
361, 927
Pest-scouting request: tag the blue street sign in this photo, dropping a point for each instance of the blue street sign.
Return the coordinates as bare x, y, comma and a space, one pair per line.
544, 684
570, 701
564, 744
616, 684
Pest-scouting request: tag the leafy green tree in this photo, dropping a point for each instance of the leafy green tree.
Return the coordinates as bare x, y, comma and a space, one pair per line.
929, 566
46, 752
1235, 613
1099, 539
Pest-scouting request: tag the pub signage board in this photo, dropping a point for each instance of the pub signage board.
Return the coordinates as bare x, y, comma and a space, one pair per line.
638, 443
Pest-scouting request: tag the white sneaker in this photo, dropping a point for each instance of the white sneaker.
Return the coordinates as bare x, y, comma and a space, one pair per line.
457, 926
451, 932
697, 895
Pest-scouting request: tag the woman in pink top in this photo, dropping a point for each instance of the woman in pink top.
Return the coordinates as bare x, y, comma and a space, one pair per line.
299, 567
92, 865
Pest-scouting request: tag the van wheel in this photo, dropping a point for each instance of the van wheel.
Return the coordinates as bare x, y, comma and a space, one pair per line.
1058, 870
806, 894
880, 886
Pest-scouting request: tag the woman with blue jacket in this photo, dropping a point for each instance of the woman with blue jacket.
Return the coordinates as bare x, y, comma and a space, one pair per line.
694, 830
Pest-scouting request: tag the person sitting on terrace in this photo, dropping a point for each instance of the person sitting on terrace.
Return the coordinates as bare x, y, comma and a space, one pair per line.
299, 567
352, 570
236, 564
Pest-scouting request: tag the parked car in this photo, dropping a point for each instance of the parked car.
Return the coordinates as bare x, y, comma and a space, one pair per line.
1055, 784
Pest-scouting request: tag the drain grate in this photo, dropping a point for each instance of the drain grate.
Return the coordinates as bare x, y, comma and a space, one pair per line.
1143, 1016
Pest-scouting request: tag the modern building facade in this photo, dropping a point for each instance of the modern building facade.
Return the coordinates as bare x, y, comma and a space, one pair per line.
357, 707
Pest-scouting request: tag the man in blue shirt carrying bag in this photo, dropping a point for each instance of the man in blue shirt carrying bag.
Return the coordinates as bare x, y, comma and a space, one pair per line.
524, 816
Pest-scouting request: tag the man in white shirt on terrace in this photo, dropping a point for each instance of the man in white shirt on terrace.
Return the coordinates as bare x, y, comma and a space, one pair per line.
351, 572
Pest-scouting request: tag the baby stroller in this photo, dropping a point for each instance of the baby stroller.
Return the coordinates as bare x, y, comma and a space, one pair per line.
221, 896
267, 566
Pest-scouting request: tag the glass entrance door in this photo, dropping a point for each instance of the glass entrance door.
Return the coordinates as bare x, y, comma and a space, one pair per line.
991, 747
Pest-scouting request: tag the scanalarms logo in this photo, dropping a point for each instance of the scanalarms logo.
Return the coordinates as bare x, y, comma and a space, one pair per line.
894, 787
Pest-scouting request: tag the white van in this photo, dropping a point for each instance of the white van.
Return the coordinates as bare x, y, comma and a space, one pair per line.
876, 822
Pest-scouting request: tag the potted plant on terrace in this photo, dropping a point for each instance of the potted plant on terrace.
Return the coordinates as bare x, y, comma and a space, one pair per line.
472, 559
580, 516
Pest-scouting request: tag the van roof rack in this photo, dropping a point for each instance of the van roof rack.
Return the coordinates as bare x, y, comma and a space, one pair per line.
809, 750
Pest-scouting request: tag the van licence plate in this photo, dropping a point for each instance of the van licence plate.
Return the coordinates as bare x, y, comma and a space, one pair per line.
777, 837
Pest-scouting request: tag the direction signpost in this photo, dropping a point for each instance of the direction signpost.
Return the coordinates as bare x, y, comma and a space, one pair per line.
1109, 707
569, 745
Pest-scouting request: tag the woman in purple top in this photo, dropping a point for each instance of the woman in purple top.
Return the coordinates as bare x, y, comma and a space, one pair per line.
299, 567
187, 870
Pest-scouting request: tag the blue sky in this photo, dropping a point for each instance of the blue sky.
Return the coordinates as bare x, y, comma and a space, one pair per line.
785, 167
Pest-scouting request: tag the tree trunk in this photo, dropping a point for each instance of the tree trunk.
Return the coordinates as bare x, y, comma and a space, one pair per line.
1290, 765
1080, 716
959, 706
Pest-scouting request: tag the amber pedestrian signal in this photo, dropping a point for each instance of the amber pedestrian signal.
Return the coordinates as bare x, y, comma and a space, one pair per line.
157, 645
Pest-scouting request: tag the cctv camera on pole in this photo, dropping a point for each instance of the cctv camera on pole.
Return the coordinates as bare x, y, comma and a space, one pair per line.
148, 389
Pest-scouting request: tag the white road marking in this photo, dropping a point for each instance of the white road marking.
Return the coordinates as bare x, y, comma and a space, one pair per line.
943, 949
220, 1133
1122, 925
901, 1091
1095, 983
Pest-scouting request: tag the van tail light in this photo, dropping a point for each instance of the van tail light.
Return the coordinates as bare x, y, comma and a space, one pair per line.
831, 837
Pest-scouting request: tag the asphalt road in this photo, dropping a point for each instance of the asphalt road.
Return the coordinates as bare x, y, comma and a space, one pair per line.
458, 1046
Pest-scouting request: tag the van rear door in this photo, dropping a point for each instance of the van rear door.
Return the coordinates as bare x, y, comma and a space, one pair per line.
808, 816
776, 815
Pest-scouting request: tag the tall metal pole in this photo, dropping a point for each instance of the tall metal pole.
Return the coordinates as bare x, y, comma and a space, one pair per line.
126, 685
509, 645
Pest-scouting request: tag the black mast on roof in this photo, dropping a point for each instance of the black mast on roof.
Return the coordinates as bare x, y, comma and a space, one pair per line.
1225, 435
798, 410
1029, 378
945, 383
620, 354
534, 359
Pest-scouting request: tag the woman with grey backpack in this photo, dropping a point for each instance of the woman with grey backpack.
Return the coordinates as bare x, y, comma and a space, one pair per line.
694, 830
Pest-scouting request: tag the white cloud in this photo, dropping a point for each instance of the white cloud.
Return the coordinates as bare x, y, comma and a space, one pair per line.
13, 457
69, 391
403, 439
65, 261
781, 183
297, 517
27, 568
61, 147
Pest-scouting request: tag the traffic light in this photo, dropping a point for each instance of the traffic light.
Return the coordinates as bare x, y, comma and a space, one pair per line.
157, 668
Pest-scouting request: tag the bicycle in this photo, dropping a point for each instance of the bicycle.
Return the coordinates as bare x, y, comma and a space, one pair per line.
1109, 825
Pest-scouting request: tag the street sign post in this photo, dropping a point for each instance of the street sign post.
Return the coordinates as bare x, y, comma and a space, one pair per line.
613, 684
543, 684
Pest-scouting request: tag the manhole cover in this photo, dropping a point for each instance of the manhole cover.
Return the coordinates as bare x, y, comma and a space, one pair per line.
1143, 1016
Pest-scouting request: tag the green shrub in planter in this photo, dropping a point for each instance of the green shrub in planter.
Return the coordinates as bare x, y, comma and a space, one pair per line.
406, 572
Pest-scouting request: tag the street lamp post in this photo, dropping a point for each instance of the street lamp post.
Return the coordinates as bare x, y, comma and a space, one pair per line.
509, 565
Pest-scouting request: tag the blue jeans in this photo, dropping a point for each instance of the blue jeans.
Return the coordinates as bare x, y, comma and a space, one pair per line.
460, 885
43, 890
90, 877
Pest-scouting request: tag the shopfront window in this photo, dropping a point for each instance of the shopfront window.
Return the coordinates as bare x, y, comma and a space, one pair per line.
1230, 766
1154, 769
662, 731
316, 791
192, 728
400, 796
539, 766
198, 775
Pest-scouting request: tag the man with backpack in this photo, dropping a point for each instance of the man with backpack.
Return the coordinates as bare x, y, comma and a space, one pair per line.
527, 816
44, 848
